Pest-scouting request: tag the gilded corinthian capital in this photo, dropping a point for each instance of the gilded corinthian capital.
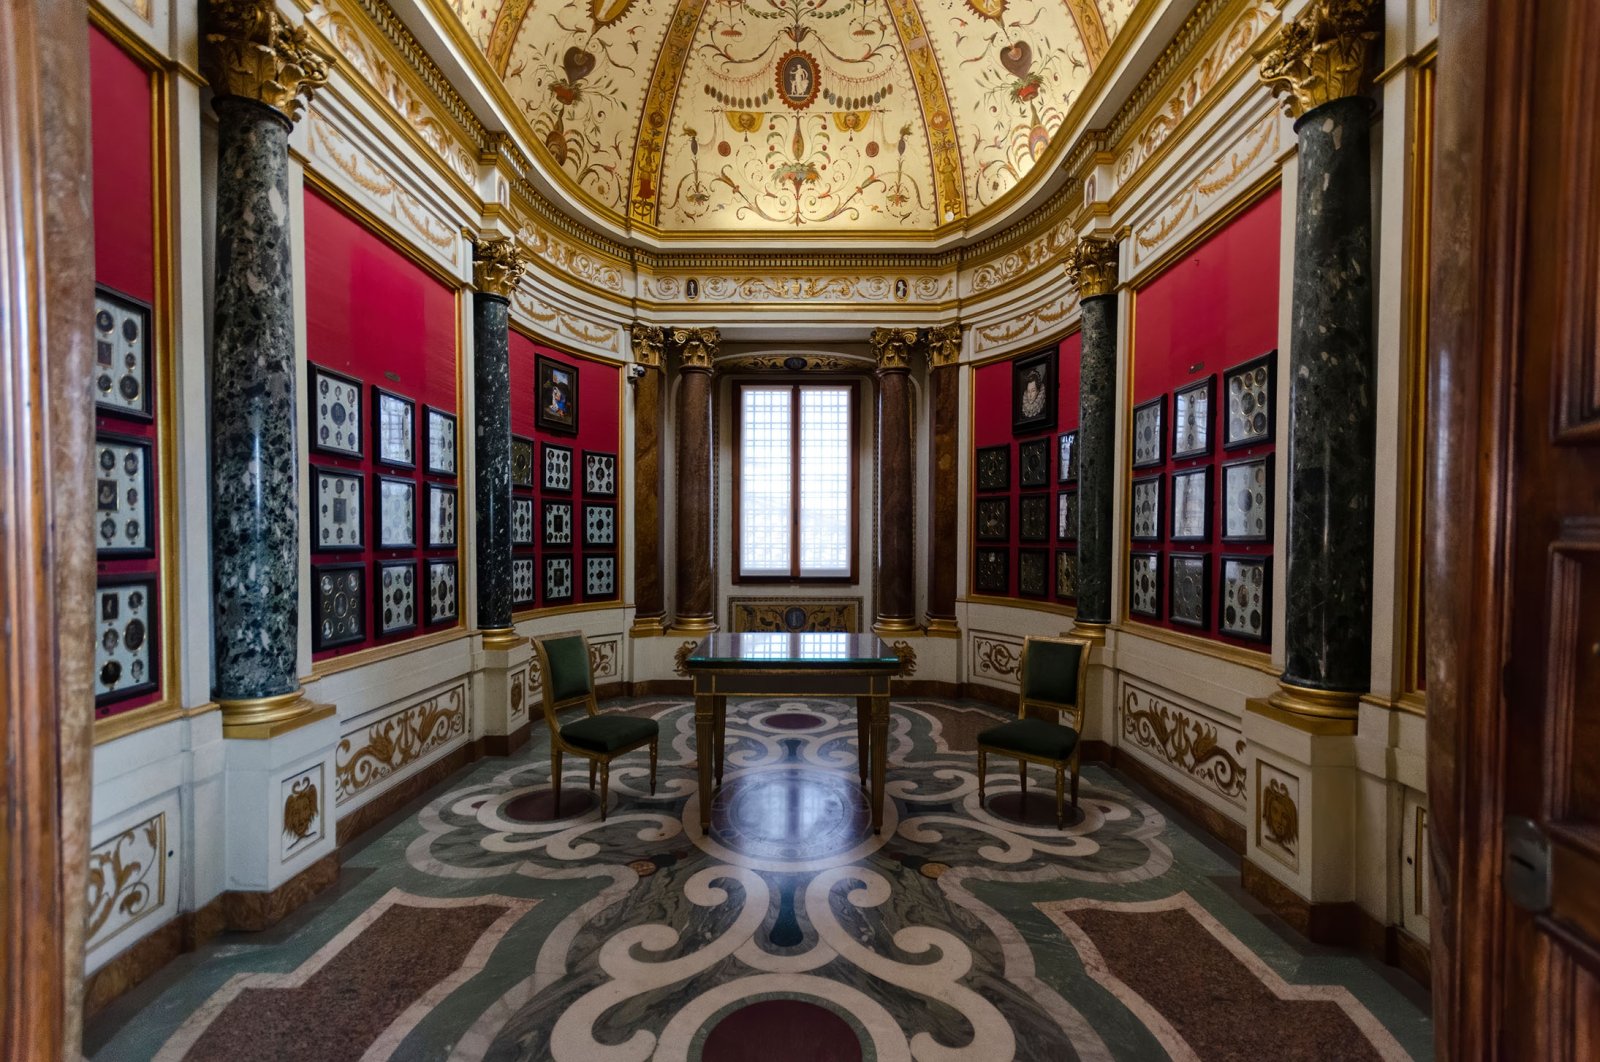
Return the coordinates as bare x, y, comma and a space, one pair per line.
892, 347
1320, 56
648, 341
944, 345
697, 346
497, 266
1091, 265
249, 51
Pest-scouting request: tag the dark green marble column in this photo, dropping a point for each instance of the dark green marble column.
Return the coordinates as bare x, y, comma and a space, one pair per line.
496, 270
1092, 264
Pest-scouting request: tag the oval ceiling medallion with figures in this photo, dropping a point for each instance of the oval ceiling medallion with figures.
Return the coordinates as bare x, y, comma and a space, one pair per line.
798, 82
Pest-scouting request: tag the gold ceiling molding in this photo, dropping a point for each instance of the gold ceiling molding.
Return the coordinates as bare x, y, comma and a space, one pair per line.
791, 363
497, 266
649, 155
594, 271
1091, 265
250, 51
1042, 251
754, 288
1166, 68
1091, 28
892, 348
934, 99
1321, 56
559, 324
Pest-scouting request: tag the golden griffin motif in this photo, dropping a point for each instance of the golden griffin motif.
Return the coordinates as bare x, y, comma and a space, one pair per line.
908, 658
394, 743
680, 659
1188, 744
301, 808
1279, 815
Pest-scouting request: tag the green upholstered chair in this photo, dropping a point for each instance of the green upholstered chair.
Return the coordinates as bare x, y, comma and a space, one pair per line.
569, 682
1055, 677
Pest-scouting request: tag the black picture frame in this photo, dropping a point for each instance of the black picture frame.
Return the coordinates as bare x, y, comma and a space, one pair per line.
352, 619
1149, 433
605, 486
1230, 607
555, 395
993, 520
553, 563
994, 467
389, 617
1033, 572
592, 561
1200, 397
1147, 509
113, 510
991, 573
1144, 584
383, 400
552, 458
113, 377
1262, 373
524, 522
523, 463
409, 488
590, 535
438, 608
432, 415
524, 582
437, 538
1068, 516
552, 516
327, 422
1031, 411
1189, 573
148, 634
1033, 518
1067, 456
1189, 530
1067, 574
327, 521
1033, 464
1252, 476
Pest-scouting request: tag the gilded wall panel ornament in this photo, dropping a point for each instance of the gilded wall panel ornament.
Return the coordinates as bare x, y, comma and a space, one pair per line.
302, 812
327, 144
1252, 153
497, 266
792, 363
791, 616
1040, 320
250, 51
892, 348
396, 741
648, 344
1040, 252
519, 693
1185, 740
603, 658
1321, 56
908, 658
1278, 814
770, 282
127, 879
561, 324
696, 347
998, 658
680, 659
943, 345
564, 257
1091, 265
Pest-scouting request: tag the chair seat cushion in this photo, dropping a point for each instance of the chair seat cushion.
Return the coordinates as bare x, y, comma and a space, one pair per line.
608, 733
1031, 737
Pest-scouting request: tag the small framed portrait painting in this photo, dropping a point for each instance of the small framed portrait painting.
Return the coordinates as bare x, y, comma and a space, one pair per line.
557, 408
1033, 392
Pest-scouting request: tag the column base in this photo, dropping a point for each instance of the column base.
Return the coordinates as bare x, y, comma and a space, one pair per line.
1319, 707
701, 625
648, 627
263, 718
942, 627
895, 627
1094, 632
501, 639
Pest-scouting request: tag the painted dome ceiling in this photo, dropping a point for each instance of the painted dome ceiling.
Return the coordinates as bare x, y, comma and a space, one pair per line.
815, 117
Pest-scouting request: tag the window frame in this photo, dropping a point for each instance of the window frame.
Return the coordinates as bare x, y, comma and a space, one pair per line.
793, 576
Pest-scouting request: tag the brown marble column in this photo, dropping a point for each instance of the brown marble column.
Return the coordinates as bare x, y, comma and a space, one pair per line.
649, 592
897, 581
944, 387
695, 610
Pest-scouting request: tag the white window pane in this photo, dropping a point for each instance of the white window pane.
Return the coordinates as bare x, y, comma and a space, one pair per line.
764, 481
825, 461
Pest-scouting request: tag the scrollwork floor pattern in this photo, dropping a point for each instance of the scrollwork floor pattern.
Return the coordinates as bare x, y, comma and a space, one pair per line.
954, 934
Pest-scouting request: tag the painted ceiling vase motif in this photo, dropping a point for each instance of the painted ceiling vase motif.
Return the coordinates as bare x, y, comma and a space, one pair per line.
863, 116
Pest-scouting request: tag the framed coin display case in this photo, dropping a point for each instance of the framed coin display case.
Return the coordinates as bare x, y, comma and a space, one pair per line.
521, 462
336, 510
338, 604
441, 436
122, 354
599, 576
1033, 463
1146, 523
441, 516
444, 592
124, 502
599, 525
1033, 518
556, 399
557, 468
1191, 505
1033, 572
990, 574
1247, 500
994, 467
394, 427
126, 658
1191, 419
600, 474
557, 523
1067, 459
1244, 609
1067, 574
522, 582
1189, 576
1033, 392
1249, 391
994, 519
396, 606
557, 578
1144, 585
1148, 433
522, 521
335, 412
1067, 516
395, 514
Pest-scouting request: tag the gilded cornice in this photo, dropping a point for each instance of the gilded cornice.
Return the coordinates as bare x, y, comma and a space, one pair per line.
1167, 66
1091, 265
497, 266
648, 343
892, 348
697, 347
943, 345
249, 51
1321, 56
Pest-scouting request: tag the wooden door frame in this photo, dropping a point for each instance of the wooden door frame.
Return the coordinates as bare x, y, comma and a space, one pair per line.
46, 546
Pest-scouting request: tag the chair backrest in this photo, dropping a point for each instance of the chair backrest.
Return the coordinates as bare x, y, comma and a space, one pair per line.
1055, 675
565, 673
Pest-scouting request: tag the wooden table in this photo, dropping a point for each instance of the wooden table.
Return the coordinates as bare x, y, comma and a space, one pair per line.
791, 665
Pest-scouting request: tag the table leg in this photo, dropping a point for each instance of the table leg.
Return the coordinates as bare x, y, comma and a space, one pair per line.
880, 756
721, 710
863, 736
705, 751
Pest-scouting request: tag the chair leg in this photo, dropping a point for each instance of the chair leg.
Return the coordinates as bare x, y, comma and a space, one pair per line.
591, 775
605, 785
555, 776
983, 764
1061, 814
653, 751
1022, 773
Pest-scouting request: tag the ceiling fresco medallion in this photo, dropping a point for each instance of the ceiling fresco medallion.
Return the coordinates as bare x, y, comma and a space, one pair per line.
798, 81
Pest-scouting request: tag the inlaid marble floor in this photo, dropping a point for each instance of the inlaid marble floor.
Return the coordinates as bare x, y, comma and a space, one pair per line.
473, 927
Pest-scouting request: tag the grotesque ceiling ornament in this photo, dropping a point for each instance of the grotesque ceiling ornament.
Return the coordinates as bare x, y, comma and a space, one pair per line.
497, 266
250, 52
1091, 264
1320, 56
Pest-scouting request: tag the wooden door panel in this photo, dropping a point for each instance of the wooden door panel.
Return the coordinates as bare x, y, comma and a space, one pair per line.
1577, 253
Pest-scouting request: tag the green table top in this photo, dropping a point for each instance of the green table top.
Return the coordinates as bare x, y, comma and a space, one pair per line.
821, 651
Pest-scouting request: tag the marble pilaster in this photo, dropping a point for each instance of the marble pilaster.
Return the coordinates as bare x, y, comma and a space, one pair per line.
944, 386
896, 583
496, 270
694, 612
649, 592
1092, 265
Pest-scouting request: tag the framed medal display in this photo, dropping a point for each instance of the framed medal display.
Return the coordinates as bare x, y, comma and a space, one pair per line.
1148, 451
994, 467
1191, 505
336, 510
599, 576
441, 516
1144, 585
394, 424
124, 507
397, 597
1067, 573
1245, 609
1248, 392
557, 523
1191, 420
522, 582
1033, 578
1067, 516
994, 519
122, 354
599, 525
335, 412
521, 462
126, 663
990, 573
441, 438
338, 604
443, 592
1190, 579
557, 468
557, 578
1146, 524
600, 474
396, 513
1033, 459
522, 521
1067, 459
1033, 518
1247, 500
